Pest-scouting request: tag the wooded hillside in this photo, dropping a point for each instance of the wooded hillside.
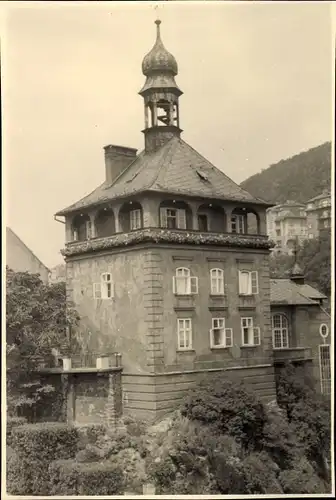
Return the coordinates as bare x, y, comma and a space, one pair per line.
299, 178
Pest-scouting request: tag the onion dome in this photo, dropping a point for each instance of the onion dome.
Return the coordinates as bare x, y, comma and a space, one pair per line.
159, 59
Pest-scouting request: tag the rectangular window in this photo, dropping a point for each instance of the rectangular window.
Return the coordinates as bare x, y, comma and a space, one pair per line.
135, 219
203, 222
184, 334
248, 283
217, 281
173, 218
219, 335
104, 289
250, 333
183, 283
325, 368
238, 223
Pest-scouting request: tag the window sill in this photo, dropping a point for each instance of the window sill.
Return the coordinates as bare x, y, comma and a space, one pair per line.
249, 296
185, 350
219, 348
249, 346
217, 295
184, 295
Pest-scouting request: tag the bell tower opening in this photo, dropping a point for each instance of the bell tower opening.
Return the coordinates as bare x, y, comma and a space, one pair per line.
161, 96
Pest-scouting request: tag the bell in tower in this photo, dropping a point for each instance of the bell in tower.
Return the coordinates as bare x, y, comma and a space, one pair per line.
161, 96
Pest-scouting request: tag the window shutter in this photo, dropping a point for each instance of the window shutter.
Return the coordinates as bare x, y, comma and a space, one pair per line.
254, 283
97, 290
211, 338
228, 337
181, 219
194, 285
75, 235
112, 291
256, 335
163, 217
174, 285
240, 278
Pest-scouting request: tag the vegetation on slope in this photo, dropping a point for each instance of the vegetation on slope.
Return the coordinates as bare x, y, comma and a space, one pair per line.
298, 178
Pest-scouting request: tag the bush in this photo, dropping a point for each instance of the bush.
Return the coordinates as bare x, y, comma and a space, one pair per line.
301, 480
35, 446
228, 477
260, 474
229, 406
10, 424
71, 478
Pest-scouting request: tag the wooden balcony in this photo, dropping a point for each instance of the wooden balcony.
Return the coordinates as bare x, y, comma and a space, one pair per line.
292, 354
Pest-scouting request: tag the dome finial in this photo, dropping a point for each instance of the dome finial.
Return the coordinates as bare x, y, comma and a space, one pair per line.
158, 22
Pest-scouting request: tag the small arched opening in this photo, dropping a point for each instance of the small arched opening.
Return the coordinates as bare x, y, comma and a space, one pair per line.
105, 222
245, 221
175, 214
211, 217
81, 227
130, 216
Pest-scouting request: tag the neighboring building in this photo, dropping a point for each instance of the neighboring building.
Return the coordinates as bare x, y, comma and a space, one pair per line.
162, 265
57, 274
20, 258
301, 327
318, 214
286, 224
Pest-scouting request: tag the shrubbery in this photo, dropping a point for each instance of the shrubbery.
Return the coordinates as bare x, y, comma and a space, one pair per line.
35, 447
230, 407
10, 424
69, 477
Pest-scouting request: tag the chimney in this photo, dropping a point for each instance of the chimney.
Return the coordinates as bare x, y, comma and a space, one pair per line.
117, 158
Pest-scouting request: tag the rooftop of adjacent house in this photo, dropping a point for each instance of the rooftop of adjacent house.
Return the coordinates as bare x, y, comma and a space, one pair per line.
286, 291
325, 194
176, 169
11, 236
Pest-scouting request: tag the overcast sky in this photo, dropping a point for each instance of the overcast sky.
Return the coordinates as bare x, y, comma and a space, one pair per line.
256, 80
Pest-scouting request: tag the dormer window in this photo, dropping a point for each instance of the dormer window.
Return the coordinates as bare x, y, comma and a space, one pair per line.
173, 218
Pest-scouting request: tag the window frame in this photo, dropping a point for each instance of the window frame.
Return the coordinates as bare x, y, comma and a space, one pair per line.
180, 217
135, 219
252, 288
227, 334
283, 329
238, 224
104, 290
217, 277
253, 332
185, 331
191, 282
325, 382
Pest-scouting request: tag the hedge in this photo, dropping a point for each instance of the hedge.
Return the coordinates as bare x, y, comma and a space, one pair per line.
10, 424
72, 478
35, 447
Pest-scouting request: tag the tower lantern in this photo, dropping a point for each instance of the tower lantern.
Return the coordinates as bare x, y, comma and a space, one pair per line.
161, 95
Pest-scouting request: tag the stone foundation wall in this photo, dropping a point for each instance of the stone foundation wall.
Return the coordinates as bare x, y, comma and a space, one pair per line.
150, 397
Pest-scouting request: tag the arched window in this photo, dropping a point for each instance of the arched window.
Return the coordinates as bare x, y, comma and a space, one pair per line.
280, 331
217, 281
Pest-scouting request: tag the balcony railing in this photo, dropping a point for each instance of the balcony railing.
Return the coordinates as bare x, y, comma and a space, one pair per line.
292, 354
163, 235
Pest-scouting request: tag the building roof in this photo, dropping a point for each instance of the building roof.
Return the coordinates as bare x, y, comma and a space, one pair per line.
285, 291
11, 236
325, 194
176, 169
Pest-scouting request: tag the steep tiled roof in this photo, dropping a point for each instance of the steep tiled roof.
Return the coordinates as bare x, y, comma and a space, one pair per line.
175, 168
285, 291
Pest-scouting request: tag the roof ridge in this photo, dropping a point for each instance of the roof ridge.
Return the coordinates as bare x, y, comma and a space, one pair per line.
221, 171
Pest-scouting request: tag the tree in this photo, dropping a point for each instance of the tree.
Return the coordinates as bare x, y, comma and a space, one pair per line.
36, 321
315, 258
